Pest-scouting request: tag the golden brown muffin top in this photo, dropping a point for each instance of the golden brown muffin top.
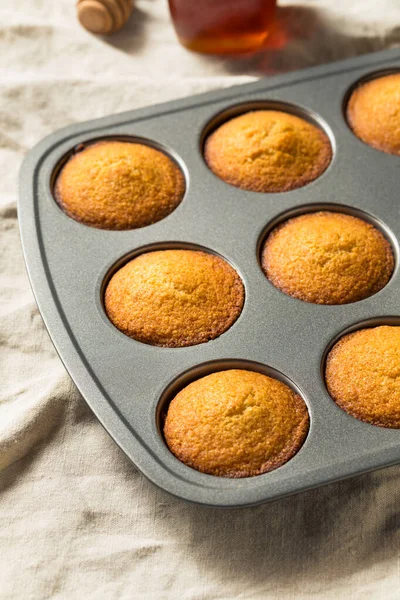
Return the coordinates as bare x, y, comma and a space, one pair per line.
174, 297
268, 151
119, 185
327, 258
236, 423
373, 113
363, 375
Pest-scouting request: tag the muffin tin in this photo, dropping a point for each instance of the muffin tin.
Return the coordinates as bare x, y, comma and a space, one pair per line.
128, 384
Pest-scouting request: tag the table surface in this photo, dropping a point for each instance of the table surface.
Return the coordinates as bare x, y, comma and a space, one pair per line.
76, 519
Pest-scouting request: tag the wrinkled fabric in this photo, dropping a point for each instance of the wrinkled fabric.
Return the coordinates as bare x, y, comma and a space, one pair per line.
76, 518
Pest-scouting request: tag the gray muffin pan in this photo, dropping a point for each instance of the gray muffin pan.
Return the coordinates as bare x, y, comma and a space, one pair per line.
127, 383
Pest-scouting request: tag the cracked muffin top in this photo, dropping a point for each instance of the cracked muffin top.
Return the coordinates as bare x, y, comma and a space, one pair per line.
373, 113
327, 258
363, 375
174, 298
268, 151
236, 423
119, 185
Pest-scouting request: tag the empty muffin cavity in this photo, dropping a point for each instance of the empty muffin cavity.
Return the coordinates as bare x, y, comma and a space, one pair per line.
233, 418
327, 254
267, 147
119, 184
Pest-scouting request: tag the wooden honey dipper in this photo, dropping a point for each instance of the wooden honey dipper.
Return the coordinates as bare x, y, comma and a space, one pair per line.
103, 16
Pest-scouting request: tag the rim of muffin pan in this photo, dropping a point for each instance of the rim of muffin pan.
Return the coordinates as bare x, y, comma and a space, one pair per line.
132, 139
371, 76
369, 323
196, 372
344, 209
236, 110
110, 271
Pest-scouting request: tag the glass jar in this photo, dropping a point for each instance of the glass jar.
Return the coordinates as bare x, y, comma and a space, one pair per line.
222, 26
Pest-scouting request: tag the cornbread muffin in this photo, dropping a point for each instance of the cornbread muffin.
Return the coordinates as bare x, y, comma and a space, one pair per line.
373, 113
236, 423
327, 258
119, 185
268, 151
174, 297
363, 375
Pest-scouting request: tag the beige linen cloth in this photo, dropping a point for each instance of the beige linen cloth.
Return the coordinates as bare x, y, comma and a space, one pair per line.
76, 519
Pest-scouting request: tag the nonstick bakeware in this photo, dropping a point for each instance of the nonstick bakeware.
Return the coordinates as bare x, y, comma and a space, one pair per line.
127, 383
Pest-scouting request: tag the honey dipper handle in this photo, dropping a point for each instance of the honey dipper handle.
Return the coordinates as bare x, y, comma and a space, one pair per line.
103, 16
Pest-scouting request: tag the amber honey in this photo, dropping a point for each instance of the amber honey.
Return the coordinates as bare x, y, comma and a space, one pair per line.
222, 26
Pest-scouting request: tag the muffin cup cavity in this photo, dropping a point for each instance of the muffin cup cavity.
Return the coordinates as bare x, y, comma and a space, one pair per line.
267, 147
202, 370
344, 400
373, 131
275, 224
229, 310
142, 214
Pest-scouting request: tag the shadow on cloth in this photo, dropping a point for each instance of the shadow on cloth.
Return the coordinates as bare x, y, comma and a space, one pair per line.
132, 37
305, 37
302, 37
328, 533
